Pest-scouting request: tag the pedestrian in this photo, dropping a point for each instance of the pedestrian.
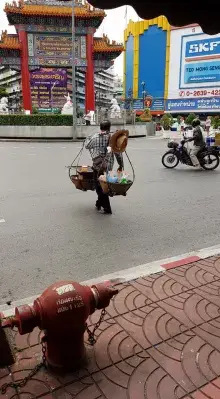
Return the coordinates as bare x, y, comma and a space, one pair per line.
208, 125
98, 145
87, 118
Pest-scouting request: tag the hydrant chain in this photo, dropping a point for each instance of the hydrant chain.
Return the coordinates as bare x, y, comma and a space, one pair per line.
22, 383
91, 334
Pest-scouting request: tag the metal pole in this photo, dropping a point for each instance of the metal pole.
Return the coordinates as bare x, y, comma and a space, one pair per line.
74, 75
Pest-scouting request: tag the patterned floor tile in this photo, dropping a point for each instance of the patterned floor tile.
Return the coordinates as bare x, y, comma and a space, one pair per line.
127, 300
191, 275
160, 339
190, 308
138, 377
159, 286
5, 378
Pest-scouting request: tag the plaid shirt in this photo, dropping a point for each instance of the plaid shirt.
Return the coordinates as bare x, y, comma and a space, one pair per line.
97, 145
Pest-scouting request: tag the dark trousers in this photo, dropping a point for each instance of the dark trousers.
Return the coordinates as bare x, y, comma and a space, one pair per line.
103, 199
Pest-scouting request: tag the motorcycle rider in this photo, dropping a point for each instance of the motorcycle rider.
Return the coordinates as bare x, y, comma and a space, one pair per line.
198, 140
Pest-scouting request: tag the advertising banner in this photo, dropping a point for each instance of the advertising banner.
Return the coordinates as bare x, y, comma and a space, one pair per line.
200, 62
48, 87
157, 104
211, 104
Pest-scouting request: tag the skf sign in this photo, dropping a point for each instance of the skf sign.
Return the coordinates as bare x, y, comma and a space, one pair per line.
203, 49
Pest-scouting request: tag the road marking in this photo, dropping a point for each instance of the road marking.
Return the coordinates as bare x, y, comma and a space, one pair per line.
2, 220
32, 147
63, 147
132, 273
16, 147
47, 147
31, 154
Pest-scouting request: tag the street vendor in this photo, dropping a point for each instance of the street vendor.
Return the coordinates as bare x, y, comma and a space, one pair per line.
103, 159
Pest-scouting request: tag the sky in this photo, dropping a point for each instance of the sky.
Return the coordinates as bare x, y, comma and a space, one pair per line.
113, 26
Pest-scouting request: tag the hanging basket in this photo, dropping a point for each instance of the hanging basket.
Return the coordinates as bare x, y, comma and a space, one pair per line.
118, 188
113, 189
76, 181
81, 177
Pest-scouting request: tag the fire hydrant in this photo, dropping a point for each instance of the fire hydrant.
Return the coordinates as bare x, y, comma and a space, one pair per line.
61, 312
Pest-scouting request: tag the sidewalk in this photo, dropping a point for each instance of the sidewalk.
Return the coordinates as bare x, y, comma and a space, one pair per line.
160, 340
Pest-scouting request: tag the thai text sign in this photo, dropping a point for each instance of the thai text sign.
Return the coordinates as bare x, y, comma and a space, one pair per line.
48, 87
193, 104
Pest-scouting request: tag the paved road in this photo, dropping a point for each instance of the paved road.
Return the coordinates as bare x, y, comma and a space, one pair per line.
51, 231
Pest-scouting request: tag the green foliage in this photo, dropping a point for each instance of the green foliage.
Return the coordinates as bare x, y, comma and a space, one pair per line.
190, 118
178, 119
166, 121
34, 110
3, 92
36, 120
215, 122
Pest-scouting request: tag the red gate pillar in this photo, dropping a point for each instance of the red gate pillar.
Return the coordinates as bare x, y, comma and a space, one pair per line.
25, 75
89, 89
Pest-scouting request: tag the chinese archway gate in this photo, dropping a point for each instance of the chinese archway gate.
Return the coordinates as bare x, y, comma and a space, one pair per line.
42, 46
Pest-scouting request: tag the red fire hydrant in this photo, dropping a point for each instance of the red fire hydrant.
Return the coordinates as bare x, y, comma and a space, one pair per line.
61, 312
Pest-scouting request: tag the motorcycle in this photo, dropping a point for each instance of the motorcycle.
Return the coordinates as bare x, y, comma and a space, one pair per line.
208, 156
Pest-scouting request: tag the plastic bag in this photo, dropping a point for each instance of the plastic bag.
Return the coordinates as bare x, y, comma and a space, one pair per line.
123, 179
112, 177
102, 177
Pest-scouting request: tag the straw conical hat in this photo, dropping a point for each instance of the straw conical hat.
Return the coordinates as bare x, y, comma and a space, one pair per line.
119, 140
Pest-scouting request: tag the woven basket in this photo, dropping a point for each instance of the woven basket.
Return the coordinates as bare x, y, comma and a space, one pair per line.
119, 189
77, 182
87, 184
87, 175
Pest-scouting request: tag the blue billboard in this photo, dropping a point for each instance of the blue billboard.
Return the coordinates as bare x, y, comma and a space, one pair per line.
157, 104
199, 61
210, 104
201, 72
203, 48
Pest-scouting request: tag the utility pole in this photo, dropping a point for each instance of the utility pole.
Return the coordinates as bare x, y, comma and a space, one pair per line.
74, 75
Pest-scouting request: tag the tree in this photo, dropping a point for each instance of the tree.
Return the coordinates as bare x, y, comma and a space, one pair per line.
216, 122
166, 121
3, 92
179, 119
190, 118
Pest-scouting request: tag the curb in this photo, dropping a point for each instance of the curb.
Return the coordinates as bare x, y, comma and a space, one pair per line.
58, 140
132, 273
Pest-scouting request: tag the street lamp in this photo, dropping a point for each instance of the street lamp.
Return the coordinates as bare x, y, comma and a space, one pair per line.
143, 84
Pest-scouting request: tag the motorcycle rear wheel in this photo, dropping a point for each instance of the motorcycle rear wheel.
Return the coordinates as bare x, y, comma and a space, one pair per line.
170, 160
205, 163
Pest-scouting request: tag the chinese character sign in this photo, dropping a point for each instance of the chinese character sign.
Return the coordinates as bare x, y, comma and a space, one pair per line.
48, 87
